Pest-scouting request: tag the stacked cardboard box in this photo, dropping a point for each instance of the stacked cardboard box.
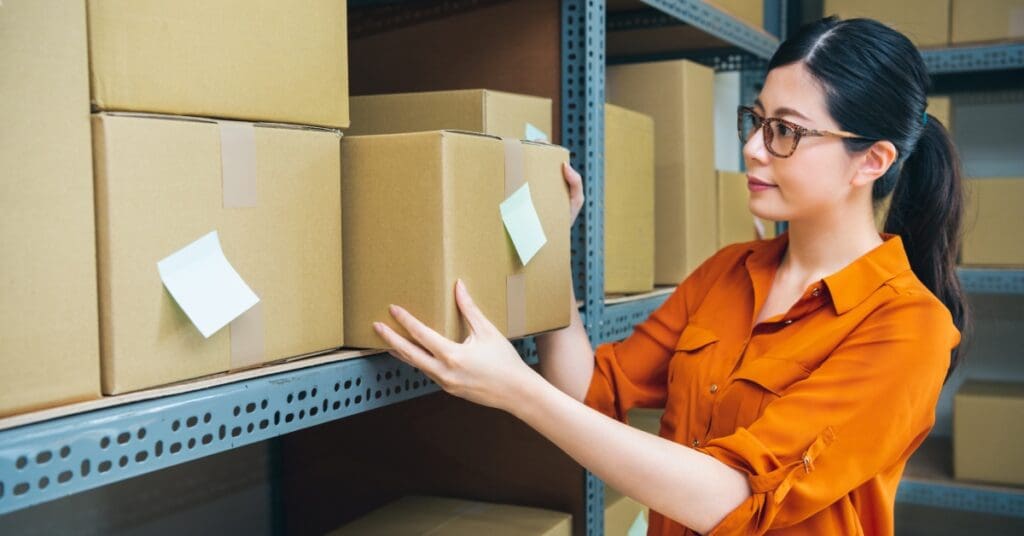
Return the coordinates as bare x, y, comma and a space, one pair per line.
735, 222
986, 20
629, 201
748, 11
49, 340
623, 515
993, 212
988, 432
679, 96
925, 22
456, 517
270, 191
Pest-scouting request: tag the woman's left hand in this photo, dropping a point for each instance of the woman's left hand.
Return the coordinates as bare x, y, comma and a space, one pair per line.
484, 368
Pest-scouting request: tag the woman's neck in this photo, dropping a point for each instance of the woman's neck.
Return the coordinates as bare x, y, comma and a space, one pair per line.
818, 249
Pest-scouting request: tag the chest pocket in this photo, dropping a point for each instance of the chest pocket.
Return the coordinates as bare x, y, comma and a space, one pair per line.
694, 345
756, 384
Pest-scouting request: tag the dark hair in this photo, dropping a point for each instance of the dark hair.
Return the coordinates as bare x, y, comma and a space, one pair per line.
876, 86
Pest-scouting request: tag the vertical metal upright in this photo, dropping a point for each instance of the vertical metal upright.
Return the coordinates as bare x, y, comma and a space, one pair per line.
583, 67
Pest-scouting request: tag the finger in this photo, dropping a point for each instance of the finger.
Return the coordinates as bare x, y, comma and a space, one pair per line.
472, 313
428, 338
407, 351
572, 178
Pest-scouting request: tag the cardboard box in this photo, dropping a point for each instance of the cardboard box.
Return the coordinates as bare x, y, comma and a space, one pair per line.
735, 221
422, 210
628, 201
646, 419
488, 45
49, 340
159, 187
622, 513
678, 95
748, 11
925, 22
458, 517
988, 432
990, 222
986, 20
255, 60
497, 113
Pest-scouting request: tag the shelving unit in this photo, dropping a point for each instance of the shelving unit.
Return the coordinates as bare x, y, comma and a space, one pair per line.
52, 454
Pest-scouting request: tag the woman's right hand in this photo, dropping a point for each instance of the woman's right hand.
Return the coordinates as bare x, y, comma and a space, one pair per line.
575, 183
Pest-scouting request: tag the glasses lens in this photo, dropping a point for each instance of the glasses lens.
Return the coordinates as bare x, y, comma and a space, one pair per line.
783, 138
748, 125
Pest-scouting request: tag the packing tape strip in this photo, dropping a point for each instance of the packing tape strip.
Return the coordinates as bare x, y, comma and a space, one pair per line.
515, 284
238, 163
247, 345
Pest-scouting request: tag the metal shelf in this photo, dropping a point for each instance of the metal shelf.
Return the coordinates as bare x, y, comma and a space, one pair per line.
974, 58
928, 481
992, 280
707, 18
622, 315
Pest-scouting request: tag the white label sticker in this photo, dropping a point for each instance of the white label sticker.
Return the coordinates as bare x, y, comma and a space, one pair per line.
535, 134
639, 526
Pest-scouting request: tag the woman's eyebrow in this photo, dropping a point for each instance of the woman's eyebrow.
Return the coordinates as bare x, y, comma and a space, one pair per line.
779, 112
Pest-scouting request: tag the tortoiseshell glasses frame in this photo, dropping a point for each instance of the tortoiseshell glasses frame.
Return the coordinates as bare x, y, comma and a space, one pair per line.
781, 137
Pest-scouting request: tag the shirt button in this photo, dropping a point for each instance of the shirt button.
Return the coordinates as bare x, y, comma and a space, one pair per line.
788, 322
714, 388
816, 292
696, 443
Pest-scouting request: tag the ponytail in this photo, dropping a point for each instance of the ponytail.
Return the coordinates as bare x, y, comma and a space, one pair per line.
926, 211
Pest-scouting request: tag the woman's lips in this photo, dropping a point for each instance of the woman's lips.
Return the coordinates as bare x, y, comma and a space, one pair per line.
757, 185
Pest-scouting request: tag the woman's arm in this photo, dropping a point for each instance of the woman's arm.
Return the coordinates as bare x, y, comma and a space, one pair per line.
566, 356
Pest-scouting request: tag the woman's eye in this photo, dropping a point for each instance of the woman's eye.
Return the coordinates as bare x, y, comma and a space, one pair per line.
784, 130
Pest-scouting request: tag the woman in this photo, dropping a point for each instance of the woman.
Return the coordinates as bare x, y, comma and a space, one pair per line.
797, 374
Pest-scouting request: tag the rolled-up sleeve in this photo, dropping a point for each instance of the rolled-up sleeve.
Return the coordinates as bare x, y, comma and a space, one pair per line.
864, 410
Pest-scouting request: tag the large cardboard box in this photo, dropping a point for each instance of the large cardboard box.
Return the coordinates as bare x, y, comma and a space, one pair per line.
988, 432
986, 20
735, 221
506, 46
159, 187
49, 340
497, 113
256, 60
925, 22
748, 11
678, 95
992, 215
622, 513
629, 201
457, 517
421, 210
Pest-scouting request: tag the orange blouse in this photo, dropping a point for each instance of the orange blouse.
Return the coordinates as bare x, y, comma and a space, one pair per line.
820, 407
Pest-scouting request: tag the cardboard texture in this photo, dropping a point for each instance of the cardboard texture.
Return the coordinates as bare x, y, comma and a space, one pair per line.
441, 193
941, 108
988, 432
49, 341
986, 20
497, 113
255, 60
620, 512
679, 96
629, 201
455, 517
748, 11
159, 188
990, 222
476, 48
924, 22
735, 221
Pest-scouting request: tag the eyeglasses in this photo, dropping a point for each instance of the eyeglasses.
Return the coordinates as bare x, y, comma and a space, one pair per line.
780, 136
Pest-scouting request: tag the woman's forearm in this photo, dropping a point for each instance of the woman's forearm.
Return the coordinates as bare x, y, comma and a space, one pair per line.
566, 356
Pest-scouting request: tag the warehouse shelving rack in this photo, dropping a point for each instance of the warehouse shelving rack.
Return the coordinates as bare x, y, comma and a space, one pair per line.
53, 454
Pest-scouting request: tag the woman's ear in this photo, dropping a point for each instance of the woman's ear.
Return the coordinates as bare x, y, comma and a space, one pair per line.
875, 162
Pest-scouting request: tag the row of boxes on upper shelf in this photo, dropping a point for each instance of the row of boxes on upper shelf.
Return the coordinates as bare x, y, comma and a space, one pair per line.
214, 218
938, 23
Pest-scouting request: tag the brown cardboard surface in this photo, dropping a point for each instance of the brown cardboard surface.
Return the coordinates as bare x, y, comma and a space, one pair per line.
988, 432
678, 95
478, 48
991, 221
748, 11
49, 340
925, 22
256, 60
456, 517
620, 512
986, 20
441, 193
476, 110
646, 419
735, 221
159, 188
628, 201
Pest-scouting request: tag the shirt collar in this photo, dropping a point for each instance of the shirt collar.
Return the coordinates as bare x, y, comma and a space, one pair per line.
849, 286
